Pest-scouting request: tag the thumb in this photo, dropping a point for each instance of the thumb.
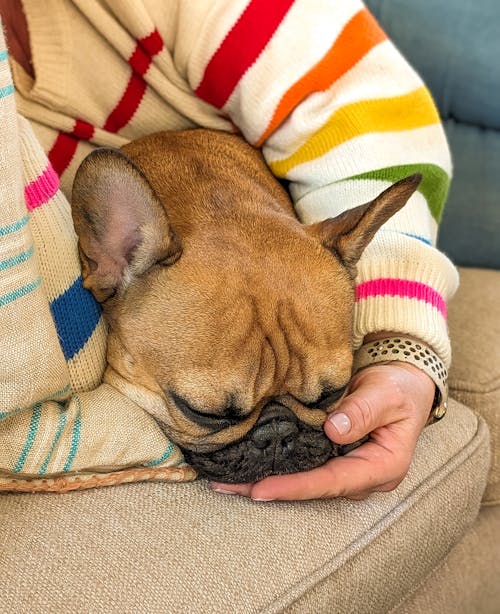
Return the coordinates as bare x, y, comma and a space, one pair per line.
357, 415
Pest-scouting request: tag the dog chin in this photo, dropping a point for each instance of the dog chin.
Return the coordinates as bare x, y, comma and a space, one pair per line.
243, 461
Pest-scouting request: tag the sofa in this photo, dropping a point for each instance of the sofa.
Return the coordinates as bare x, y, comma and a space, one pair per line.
430, 546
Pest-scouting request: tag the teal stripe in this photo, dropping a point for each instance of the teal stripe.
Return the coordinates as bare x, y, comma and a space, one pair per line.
32, 431
163, 457
75, 437
22, 257
14, 227
3, 55
60, 429
23, 291
13, 412
6, 91
434, 186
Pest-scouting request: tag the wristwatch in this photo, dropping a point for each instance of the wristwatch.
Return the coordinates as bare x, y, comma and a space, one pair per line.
405, 349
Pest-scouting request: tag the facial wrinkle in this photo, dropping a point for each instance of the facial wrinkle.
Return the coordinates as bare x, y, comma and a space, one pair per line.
296, 341
274, 345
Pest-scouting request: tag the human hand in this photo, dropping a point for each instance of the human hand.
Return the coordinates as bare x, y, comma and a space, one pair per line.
391, 402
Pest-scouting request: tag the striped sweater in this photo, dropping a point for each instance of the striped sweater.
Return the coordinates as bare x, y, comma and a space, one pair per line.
336, 109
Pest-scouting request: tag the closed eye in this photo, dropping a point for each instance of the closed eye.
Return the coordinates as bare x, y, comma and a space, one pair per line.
212, 421
327, 398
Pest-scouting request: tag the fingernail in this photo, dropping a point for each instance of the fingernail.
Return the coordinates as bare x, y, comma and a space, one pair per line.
260, 499
222, 491
341, 422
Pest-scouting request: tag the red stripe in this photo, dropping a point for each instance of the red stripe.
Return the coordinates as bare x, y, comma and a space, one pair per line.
140, 61
65, 145
152, 43
241, 47
64, 148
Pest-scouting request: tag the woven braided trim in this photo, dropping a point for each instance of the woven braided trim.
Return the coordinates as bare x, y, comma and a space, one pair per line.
83, 481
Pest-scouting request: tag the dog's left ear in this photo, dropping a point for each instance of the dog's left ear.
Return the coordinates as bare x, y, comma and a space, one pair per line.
350, 232
122, 227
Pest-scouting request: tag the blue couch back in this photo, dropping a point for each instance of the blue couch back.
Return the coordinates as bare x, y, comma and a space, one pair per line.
455, 46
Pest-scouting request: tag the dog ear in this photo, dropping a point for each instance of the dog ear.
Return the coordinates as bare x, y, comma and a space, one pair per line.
350, 232
121, 224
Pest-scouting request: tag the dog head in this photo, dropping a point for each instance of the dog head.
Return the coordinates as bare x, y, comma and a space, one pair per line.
223, 307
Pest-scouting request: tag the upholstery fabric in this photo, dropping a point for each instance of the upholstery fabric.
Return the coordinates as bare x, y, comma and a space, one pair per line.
182, 548
474, 379
467, 581
455, 48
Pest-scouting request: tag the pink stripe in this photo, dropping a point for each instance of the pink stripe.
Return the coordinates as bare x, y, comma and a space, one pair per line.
41, 189
401, 287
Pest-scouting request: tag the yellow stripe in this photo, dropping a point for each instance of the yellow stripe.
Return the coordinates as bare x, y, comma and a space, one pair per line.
397, 113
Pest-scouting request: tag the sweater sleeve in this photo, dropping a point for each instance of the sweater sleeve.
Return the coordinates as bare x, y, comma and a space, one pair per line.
341, 115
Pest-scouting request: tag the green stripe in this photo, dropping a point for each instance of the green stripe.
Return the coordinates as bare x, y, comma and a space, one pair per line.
75, 437
32, 431
60, 429
14, 227
23, 291
3, 55
22, 257
434, 185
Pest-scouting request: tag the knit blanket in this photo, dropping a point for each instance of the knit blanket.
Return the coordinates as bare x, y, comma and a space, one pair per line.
61, 428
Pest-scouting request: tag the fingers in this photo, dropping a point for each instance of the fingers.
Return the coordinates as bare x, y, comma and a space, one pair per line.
360, 413
381, 395
370, 468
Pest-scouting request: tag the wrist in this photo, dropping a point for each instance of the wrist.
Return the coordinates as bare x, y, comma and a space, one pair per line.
410, 354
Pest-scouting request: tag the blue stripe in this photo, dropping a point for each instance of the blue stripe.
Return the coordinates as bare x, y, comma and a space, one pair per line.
13, 412
76, 314
75, 437
3, 55
14, 227
163, 457
60, 429
6, 91
23, 291
22, 257
32, 431
418, 237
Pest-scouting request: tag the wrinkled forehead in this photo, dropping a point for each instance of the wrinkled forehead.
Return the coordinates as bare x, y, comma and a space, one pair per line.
219, 340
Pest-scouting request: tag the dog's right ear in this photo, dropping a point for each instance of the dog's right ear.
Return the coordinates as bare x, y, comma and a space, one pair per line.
122, 227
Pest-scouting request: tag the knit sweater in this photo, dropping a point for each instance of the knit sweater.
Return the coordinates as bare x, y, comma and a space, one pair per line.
60, 428
336, 109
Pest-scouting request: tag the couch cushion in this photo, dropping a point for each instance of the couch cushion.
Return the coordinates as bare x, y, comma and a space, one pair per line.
181, 548
468, 579
474, 320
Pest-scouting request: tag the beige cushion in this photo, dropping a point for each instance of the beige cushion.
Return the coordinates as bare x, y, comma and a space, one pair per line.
468, 579
160, 548
474, 319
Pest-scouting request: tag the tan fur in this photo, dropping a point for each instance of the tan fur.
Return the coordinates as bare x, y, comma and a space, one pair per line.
225, 299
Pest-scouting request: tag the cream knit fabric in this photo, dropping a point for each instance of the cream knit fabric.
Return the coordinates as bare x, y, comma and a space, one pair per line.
338, 113
56, 418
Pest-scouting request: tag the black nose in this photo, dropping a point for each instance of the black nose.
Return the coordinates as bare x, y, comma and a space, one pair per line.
276, 430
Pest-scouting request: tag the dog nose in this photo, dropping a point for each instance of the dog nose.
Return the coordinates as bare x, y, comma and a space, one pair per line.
276, 429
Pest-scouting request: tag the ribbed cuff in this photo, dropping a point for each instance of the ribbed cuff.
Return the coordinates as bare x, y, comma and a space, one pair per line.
403, 286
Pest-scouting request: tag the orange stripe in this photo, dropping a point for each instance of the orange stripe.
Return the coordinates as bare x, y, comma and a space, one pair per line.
359, 35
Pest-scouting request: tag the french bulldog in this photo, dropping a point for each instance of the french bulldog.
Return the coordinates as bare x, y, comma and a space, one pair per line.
229, 319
